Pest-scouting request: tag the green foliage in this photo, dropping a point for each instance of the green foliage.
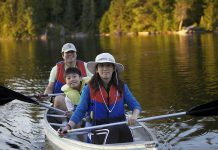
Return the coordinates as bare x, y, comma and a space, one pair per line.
69, 14
116, 16
88, 17
103, 27
210, 19
56, 9
31, 18
181, 12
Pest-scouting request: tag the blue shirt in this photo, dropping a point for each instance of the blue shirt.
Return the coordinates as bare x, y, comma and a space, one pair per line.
83, 106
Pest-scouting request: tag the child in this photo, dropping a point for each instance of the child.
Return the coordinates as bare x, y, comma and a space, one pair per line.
73, 88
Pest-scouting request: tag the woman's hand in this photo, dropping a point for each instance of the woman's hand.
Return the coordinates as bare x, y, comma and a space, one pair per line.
133, 118
63, 131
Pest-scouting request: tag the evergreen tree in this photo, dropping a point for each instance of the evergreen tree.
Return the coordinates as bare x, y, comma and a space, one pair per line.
144, 17
40, 15
133, 6
29, 18
102, 21
8, 18
209, 21
69, 14
56, 9
29, 29
116, 16
104, 24
181, 11
195, 12
23, 24
162, 11
88, 16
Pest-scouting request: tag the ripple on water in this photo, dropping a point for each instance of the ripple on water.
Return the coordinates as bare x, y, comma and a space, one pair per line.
26, 86
21, 127
184, 133
12, 145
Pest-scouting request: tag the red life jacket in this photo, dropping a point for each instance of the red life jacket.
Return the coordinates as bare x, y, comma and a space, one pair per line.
106, 109
60, 81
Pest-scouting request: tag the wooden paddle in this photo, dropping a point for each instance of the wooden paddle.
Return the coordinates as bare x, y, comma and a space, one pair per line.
208, 109
7, 95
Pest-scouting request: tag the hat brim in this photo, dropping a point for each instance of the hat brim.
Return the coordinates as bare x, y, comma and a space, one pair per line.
65, 51
92, 66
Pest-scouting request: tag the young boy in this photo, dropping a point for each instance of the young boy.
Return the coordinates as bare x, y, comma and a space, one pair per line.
73, 88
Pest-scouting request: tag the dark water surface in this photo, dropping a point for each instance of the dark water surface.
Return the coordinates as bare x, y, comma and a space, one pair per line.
167, 74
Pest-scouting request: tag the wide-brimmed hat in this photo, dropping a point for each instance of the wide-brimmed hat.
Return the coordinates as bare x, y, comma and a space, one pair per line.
104, 58
68, 47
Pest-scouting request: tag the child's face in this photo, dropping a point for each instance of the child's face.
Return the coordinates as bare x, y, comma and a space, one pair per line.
73, 80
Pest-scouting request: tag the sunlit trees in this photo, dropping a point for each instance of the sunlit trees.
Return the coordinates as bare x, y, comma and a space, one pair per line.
209, 21
7, 18
181, 11
16, 19
31, 18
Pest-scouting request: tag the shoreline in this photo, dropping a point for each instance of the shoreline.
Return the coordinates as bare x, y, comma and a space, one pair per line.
128, 34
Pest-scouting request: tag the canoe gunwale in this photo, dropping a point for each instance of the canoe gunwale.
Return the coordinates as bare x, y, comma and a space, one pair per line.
65, 143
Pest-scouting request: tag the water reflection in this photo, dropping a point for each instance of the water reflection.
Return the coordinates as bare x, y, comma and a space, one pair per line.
21, 126
167, 74
169, 67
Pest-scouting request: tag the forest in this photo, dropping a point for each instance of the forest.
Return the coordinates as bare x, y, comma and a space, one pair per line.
29, 19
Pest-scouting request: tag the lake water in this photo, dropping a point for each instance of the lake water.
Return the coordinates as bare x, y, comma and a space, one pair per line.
167, 74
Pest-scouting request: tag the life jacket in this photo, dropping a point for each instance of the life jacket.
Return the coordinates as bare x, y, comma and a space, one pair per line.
73, 94
60, 80
99, 113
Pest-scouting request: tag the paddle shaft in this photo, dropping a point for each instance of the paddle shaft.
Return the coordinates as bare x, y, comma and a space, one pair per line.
125, 122
207, 109
52, 108
46, 95
7, 95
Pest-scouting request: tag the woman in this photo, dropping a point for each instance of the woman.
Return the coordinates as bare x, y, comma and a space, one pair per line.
104, 98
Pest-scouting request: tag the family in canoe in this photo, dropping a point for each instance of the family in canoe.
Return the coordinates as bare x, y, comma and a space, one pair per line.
100, 96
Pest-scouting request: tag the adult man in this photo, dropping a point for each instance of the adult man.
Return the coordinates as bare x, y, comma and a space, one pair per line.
56, 79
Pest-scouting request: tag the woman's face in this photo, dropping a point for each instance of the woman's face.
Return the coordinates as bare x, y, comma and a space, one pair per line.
105, 70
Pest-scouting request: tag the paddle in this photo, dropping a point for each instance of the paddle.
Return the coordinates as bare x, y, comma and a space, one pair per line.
7, 95
208, 109
46, 95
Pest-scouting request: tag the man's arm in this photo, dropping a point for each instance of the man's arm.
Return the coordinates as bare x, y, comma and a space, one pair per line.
49, 89
88, 73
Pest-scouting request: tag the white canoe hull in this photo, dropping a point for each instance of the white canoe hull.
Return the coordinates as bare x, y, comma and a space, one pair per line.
59, 143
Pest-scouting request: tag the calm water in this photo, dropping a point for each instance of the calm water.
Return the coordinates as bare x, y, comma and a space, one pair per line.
167, 74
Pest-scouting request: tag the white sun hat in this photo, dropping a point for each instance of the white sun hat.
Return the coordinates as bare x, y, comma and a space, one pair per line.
104, 58
68, 47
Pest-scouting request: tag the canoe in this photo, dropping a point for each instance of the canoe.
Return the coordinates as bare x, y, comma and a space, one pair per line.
144, 139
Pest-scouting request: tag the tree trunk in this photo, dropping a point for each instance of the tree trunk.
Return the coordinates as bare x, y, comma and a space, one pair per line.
180, 25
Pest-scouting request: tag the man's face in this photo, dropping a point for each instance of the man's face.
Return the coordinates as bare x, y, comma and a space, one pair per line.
69, 57
73, 80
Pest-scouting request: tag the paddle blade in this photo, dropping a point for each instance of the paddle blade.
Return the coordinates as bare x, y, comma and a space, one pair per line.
5, 100
208, 109
7, 95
